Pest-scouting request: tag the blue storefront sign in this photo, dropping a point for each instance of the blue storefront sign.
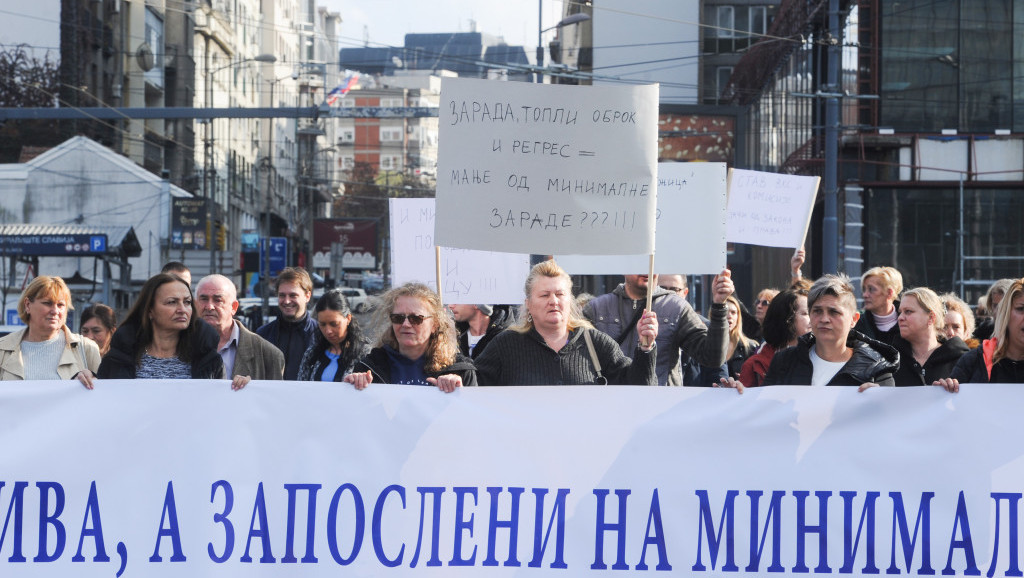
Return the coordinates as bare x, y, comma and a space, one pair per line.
53, 245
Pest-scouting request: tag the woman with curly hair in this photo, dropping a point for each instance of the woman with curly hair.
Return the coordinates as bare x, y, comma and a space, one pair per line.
959, 319
337, 346
418, 345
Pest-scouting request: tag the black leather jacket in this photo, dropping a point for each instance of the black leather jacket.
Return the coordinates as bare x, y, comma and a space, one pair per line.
872, 361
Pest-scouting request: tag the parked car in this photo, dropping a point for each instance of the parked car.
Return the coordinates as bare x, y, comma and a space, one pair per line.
358, 300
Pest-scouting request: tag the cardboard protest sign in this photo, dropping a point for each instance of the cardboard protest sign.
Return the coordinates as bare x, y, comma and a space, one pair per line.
690, 236
467, 276
546, 169
770, 209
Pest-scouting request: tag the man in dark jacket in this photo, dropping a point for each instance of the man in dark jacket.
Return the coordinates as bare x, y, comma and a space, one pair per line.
294, 330
679, 326
477, 325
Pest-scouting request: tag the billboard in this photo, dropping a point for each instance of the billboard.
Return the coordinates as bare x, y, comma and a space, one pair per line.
357, 236
188, 223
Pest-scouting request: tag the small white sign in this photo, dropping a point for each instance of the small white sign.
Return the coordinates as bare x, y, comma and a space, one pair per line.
467, 276
770, 209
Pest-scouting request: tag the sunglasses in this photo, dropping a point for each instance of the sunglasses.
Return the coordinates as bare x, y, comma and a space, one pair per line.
399, 318
763, 302
673, 289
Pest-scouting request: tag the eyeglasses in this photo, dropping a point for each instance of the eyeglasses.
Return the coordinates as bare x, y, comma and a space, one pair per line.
673, 289
399, 318
763, 302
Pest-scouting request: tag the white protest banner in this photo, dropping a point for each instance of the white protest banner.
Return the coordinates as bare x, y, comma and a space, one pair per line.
770, 209
544, 168
188, 478
467, 276
690, 236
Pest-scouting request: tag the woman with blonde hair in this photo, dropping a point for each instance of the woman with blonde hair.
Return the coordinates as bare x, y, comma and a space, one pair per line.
926, 354
46, 348
555, 345
1001, 358
740, 346
418, 345
880, 289
987, 313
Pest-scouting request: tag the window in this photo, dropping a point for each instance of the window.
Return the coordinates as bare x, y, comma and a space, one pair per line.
390, 134
726, 22
348, 162
722, 76
734, 28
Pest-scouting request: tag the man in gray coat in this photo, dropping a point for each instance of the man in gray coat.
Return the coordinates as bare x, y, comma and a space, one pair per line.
679, 326
243, 352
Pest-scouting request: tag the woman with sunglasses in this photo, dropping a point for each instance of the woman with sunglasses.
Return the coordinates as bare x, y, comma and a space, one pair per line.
418, 346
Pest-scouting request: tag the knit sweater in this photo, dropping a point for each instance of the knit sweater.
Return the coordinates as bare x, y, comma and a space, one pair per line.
515, 358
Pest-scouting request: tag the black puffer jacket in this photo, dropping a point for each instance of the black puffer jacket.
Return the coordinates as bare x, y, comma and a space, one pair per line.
939, 365
872, 362
379, 365
119, 362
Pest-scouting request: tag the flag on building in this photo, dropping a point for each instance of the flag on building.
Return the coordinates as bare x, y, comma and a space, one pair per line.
349, 82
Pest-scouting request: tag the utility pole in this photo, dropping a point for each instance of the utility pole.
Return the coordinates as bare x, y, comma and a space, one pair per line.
830, 224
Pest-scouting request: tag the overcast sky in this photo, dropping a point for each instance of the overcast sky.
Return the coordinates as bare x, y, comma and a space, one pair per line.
382, 22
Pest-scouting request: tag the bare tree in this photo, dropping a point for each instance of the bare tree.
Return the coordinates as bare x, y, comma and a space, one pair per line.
26, 81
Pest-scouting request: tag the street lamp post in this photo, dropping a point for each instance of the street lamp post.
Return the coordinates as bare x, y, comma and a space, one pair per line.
208, 157
271, 182
567, 21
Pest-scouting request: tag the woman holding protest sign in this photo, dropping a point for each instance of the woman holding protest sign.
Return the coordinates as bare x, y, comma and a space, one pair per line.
163, 338
832, 354
926, 354
554, 344
1001, 358
418, 345
46, 349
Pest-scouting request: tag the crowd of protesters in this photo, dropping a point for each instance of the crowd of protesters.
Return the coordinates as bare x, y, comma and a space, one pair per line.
810, 333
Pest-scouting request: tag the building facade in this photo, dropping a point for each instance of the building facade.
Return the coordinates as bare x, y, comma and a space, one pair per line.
930, 163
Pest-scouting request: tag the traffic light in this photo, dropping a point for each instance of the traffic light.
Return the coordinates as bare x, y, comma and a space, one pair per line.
222, 237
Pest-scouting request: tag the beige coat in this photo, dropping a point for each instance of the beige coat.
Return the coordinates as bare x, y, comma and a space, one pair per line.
79, 353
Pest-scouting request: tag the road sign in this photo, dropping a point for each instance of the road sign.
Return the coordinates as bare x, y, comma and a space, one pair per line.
278, 254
